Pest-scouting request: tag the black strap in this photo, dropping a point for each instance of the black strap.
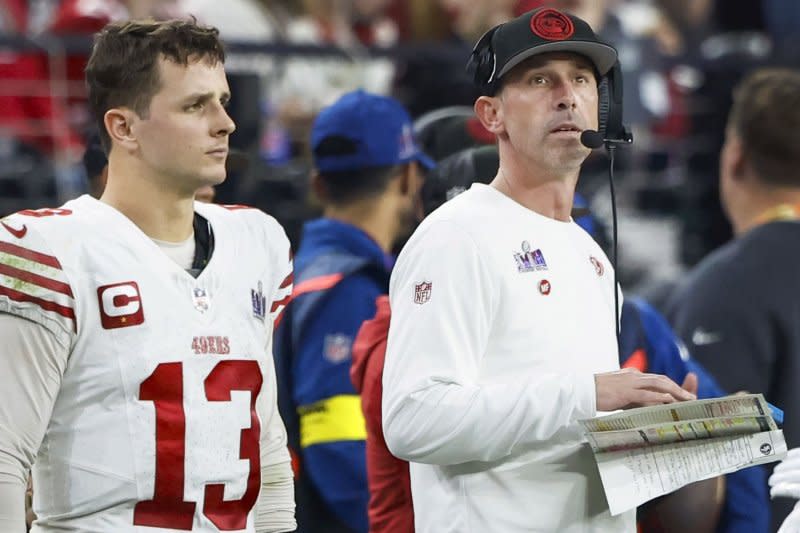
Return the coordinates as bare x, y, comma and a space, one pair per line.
203, 245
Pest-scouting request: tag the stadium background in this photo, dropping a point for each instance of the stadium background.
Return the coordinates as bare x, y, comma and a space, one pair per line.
288, 58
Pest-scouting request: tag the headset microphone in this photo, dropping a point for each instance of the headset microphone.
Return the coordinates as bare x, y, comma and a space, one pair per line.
591, 139
594, 139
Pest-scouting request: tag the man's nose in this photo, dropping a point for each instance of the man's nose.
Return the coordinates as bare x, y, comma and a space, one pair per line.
565, 95
224, 124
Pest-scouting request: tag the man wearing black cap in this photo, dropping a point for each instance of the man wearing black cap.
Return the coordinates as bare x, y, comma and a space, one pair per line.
502, 334
368, 176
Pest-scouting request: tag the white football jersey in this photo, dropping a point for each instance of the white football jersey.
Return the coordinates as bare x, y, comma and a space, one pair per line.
167, 407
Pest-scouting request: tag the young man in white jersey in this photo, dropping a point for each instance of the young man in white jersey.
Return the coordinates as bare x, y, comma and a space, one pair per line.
137, 369
502, 333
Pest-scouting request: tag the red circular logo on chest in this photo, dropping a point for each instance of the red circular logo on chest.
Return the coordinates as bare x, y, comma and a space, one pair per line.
544, 287
552, 25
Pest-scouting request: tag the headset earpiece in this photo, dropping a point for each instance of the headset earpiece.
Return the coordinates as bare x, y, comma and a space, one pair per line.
482, 63
603, 106
610, 107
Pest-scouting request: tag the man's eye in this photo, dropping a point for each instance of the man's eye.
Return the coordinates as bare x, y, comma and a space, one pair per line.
539, 80
195, 106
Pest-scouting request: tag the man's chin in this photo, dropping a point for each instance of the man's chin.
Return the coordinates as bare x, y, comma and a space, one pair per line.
217, 177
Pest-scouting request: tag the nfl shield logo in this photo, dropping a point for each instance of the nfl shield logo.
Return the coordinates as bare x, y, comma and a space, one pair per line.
422, 292
200, 299
337, 347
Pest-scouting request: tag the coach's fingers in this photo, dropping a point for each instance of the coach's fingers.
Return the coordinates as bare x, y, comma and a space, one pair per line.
690, 383
646, 398
659, 383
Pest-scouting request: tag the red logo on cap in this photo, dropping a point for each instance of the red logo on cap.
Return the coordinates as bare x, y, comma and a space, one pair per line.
552, 25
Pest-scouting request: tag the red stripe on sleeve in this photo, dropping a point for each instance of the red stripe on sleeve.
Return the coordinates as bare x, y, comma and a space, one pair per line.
64, 311
287, 281
36, 279
30, 255
277, 303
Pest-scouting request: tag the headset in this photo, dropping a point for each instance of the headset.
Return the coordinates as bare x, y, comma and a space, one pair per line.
482, 66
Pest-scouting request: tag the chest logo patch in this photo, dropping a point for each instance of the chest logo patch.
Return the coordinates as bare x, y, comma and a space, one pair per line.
598, 265
259, 302
120, 305
529, 261
200, 299
422, 292
544, 287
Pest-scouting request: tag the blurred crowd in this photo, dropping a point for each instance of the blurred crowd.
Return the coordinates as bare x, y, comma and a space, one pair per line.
290, 58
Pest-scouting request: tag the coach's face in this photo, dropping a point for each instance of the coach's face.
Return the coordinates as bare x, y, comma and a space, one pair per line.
545, 104
183, 140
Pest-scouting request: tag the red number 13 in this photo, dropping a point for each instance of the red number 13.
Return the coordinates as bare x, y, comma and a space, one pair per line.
168, 509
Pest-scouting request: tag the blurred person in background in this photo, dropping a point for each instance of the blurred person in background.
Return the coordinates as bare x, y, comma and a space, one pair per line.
469, 19
237, 20
737, 309
43, 104
30, 111
307, 84
368, 172
435, 78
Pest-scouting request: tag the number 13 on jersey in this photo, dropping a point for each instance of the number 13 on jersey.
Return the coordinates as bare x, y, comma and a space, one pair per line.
168, 509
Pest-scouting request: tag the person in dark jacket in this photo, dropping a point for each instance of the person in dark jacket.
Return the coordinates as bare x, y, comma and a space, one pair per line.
367, 176
738, 309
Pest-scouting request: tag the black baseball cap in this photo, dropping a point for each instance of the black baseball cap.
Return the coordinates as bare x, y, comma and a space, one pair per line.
541, 31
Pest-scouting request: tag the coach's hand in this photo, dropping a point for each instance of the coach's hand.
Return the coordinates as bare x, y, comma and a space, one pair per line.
631, 388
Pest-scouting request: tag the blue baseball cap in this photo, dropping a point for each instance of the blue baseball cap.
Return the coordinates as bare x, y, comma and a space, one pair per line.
379, 128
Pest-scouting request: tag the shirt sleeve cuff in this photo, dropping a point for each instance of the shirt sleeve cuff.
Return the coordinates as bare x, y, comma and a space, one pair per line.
585, 396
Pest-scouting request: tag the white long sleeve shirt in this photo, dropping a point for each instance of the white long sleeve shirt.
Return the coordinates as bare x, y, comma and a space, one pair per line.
500, 319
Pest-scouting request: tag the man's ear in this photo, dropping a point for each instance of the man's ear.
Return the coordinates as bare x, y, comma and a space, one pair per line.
120, 125
733, 161
405, 179
489, 111
318, 186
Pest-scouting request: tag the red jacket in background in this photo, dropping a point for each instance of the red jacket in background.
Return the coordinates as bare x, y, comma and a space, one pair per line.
390, 506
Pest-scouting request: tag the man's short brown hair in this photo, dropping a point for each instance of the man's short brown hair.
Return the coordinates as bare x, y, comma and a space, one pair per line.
766, 118
123, 68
